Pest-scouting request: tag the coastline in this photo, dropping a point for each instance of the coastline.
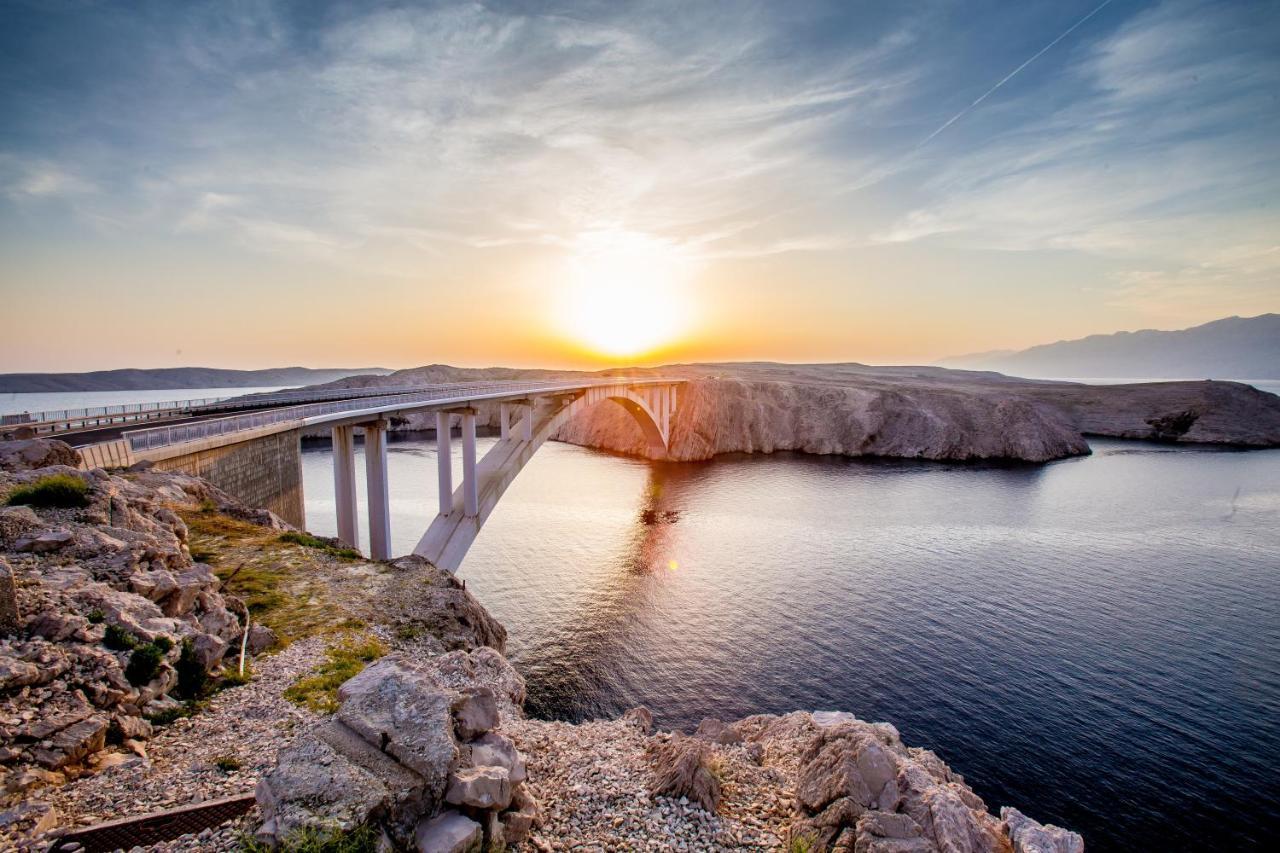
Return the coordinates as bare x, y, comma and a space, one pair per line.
764, 762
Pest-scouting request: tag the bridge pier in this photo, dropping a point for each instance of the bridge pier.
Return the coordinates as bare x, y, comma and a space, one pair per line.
470, 486
444, 462
504, 421
344, 484
375, 468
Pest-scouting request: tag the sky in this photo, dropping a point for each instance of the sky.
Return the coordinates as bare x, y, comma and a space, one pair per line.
254, 184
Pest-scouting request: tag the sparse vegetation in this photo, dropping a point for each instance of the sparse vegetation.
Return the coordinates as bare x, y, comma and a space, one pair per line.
143, 664
227, 763
802, 844
97, 617
65, 491
118, 639
193, 681
232, 677
360, 840
346, 658
328, 546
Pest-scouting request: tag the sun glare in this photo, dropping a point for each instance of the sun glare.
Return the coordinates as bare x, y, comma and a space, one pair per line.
626, 293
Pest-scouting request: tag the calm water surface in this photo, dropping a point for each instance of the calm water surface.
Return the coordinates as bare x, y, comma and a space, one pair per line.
1095, 641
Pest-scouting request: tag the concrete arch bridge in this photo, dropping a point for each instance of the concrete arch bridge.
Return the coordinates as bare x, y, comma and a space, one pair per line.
256, 456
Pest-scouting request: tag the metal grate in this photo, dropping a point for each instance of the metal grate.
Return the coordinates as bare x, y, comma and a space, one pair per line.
140, 831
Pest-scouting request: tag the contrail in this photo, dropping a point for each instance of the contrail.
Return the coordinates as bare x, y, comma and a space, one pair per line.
1013, 73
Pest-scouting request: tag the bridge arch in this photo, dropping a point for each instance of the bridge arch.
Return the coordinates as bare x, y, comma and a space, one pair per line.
462, 515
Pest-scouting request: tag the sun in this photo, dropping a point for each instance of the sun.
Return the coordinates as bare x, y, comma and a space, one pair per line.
625, 294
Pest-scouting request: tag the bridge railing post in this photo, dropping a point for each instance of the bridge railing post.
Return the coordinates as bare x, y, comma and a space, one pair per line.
344, 485
375, 466
444, 462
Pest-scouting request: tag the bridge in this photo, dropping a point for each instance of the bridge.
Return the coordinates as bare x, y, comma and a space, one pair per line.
255, 454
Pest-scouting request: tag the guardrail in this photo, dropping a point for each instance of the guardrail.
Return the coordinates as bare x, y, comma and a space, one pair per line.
36, 419
454, 393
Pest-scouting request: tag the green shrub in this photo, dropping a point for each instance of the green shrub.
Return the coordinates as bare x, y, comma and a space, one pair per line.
227, 763
163, 643
193, 681
330, 547
119, 639
57, 490
232, 677
143, 664
97, 617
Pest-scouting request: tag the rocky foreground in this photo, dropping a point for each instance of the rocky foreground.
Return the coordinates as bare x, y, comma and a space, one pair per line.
379, 707
910, 412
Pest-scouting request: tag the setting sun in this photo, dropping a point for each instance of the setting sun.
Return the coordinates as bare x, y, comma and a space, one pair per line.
626, 293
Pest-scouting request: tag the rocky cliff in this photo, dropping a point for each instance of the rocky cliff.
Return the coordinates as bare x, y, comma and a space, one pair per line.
912, 412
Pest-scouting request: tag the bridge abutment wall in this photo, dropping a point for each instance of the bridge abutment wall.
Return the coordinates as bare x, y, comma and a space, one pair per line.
263, 472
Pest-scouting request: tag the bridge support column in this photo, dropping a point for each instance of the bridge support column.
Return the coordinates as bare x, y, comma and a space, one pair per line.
527, 430
504, 420
444, 462
344, 484
375, 467
470, 486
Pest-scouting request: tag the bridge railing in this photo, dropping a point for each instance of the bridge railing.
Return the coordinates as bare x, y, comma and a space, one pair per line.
164, 436
99, 412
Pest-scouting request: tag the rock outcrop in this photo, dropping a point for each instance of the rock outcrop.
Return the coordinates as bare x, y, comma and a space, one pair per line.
413, 753
100, 606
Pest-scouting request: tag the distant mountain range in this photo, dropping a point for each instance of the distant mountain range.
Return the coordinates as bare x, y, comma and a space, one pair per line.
1232, 348
175, 377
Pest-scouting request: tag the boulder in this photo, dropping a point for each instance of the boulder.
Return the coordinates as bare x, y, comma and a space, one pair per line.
449, 832
1028, 836
404, 713
74, 743
496, 750
434, 600
31, 453
319, 787
475, 711
16, 522
261, 638
480, 788
208, 650
15, 673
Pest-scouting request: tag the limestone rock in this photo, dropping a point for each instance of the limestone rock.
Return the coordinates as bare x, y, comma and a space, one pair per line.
208, 650
434, 600
261, 638
10, 615
480, 788
313, 786
406, 714
31, 453
16, 522
1031, 837
74, 743
497, 750
449, 832
475, 711
43, 543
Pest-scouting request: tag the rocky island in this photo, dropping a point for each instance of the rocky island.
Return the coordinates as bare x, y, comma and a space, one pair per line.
374, 708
